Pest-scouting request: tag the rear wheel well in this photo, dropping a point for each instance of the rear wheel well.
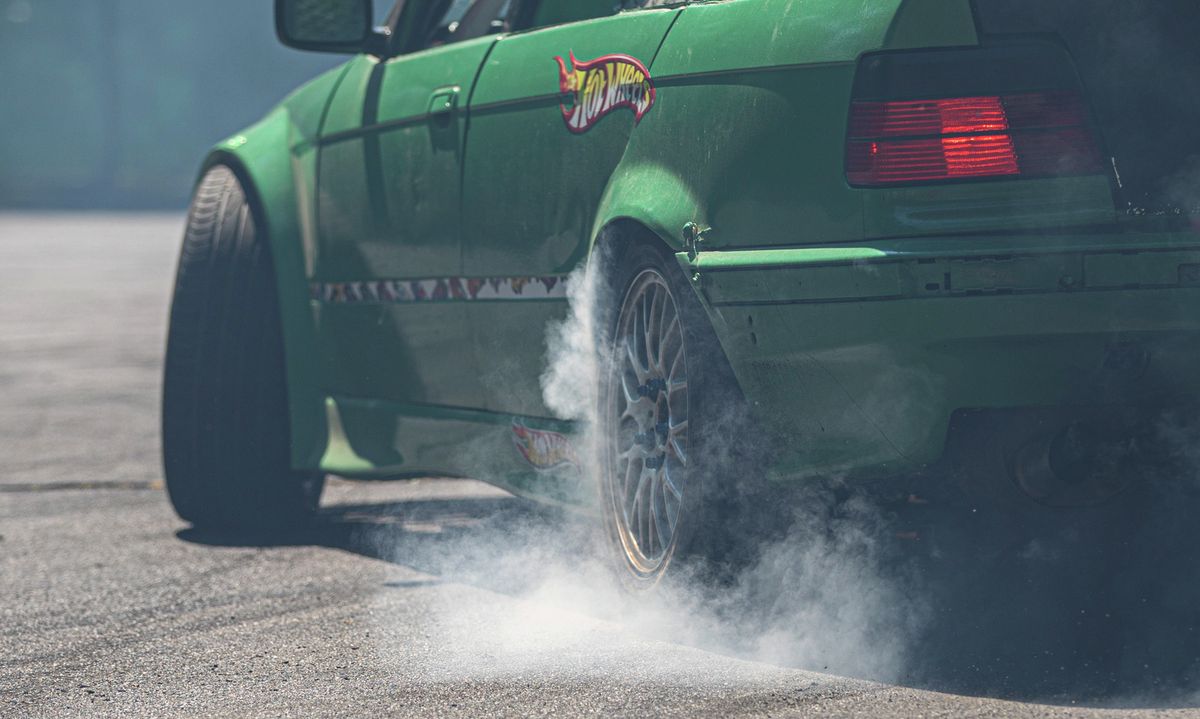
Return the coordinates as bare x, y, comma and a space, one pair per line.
619, 235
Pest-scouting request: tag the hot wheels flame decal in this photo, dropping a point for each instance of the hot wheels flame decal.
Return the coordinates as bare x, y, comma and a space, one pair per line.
543, 450
601, 86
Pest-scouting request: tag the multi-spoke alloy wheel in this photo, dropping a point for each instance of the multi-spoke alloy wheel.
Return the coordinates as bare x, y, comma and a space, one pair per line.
647, 415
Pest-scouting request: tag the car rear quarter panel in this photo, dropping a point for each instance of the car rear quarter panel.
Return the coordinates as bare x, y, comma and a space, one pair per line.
748, 138
749, 132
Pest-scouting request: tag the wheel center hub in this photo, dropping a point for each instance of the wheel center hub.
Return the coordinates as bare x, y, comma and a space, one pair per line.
655, 429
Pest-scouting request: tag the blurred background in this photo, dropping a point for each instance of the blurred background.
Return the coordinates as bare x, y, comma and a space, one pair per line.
111, 104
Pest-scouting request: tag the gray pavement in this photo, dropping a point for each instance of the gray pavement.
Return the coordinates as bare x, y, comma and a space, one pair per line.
423, 598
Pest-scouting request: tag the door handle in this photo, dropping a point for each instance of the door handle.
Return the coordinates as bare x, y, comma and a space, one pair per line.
443, 104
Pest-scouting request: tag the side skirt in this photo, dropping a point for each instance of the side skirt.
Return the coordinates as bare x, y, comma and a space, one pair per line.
533, 457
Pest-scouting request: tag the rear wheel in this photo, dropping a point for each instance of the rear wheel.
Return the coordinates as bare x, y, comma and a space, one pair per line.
648, 421
226, 431
678, 487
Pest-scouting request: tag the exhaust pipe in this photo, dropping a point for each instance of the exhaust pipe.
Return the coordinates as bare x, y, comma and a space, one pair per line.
1081, 465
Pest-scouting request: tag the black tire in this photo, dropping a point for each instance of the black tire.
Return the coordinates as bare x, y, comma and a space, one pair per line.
725, 498
225, 424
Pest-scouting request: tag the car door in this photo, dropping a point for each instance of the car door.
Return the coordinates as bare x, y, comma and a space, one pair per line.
551, 115
387, 274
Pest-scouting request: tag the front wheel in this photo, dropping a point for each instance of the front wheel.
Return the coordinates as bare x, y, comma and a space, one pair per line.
225, 427
675, 483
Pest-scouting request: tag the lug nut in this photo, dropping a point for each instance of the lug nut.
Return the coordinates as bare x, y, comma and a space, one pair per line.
652, 388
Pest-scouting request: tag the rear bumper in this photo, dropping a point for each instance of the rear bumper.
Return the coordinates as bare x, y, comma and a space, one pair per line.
854, 359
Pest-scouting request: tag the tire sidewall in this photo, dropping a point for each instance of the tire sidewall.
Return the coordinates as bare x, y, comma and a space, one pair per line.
226, 428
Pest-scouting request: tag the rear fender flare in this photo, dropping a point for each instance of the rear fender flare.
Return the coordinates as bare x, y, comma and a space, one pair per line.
647, 200
652, 196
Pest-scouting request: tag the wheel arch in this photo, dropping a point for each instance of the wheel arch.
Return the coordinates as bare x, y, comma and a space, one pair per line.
646, 198
649, 203
622, 232
625, 231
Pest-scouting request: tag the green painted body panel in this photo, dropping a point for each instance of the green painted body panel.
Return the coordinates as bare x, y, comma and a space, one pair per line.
856, 357
389, 209
750, 133
541, 186
377, 438
988, 206
752, 94
858, 321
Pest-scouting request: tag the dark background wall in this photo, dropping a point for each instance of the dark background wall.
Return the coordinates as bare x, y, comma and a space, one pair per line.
112, 103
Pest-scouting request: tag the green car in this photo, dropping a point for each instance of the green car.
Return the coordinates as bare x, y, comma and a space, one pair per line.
658, 259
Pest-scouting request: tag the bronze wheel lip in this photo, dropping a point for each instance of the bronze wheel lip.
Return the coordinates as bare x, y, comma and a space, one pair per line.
647, 421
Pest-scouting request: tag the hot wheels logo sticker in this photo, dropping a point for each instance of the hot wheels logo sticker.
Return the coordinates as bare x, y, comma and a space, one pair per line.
594, 89
544, 451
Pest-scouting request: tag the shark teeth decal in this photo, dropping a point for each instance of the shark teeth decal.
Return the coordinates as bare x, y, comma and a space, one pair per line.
596, 88
452, 289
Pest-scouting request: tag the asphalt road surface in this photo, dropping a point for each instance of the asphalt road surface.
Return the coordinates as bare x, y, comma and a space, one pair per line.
423, 598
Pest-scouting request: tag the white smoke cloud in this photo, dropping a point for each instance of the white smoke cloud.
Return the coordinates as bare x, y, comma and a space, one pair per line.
569, 382
818, 598
1010, 608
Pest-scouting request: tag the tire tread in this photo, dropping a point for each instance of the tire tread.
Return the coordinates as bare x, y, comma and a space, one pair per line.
225, 425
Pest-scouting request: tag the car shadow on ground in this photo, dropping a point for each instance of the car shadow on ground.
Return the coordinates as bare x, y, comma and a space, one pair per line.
449, 539
1094, 612
1063, 603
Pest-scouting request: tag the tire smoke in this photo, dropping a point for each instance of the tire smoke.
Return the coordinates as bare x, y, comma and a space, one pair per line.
819, 596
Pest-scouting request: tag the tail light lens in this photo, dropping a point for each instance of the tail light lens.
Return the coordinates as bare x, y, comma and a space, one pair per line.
1043, 134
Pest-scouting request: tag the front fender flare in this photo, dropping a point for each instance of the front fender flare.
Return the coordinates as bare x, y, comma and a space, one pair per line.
274, 178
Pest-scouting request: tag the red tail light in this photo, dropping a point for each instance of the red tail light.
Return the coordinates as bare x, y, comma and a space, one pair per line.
925, 141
